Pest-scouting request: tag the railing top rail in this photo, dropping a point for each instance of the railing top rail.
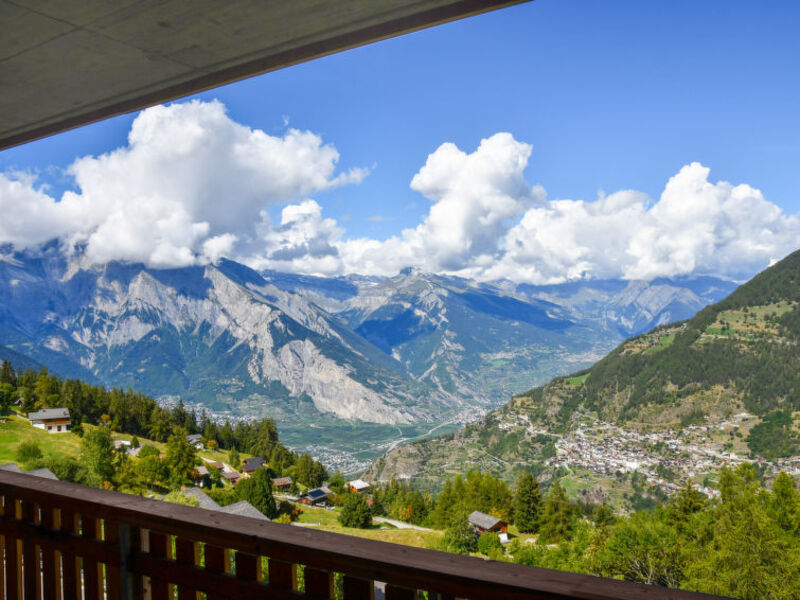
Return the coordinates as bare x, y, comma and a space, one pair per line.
359, 557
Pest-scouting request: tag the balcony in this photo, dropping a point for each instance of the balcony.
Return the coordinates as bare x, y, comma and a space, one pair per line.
62, 540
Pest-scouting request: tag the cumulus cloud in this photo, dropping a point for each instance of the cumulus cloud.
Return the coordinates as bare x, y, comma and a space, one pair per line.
192, 186
188, 186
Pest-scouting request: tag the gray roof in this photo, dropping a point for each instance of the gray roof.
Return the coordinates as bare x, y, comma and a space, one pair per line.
244, 509
49, 413
203, 499
483, 520
43, 472
253, 463
193, 438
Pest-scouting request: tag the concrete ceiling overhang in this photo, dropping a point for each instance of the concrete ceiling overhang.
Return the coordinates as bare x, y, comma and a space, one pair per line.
66, 64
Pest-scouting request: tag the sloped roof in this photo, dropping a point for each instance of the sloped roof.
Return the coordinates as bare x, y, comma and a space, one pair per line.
281, 481
203, 499
49, 413
484, 521
253, 463
316, 494
358, 484
43, 472
244, 509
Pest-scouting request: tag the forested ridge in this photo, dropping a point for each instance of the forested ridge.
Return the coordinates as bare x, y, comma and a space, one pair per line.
746, 346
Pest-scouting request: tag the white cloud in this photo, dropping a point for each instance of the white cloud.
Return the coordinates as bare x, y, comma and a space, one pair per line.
189, 184
192, 186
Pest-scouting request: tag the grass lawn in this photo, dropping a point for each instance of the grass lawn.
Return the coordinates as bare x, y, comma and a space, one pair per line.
329, 521
16, 430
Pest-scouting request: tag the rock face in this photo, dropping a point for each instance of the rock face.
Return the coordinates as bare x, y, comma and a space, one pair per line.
401, 350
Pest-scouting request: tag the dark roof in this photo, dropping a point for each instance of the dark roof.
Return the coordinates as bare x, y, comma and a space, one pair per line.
231, 475
484, 521
10, 467
244, 509
315, 494
49, 413
251, 464
204, 501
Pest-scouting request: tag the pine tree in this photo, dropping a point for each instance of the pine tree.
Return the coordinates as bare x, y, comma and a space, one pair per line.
257, 490
527, 504
355, 512
556, 520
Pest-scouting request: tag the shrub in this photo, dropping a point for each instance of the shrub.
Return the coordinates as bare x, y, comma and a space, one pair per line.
28, 451
489, 541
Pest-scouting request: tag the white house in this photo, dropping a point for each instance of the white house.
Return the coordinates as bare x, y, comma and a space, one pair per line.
52, 420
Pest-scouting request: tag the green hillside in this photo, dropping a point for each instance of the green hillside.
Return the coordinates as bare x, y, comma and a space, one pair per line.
721, 387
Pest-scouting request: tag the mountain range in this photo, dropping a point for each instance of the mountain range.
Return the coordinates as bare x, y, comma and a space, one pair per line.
416, 348
675, 403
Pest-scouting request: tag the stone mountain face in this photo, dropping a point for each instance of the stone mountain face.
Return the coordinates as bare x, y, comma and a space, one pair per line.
407, 349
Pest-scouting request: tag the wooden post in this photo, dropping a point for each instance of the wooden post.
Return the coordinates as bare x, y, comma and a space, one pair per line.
319, 584
282, 575
358, 589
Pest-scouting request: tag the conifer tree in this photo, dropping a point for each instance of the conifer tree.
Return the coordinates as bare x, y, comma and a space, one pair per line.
527, 504
556, 520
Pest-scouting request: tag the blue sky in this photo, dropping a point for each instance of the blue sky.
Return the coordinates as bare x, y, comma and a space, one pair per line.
611, 96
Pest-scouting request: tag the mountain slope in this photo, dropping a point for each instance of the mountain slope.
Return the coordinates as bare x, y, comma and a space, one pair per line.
209, 334
723, 385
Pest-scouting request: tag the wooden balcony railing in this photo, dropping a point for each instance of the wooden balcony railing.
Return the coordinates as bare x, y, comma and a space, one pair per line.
61, 540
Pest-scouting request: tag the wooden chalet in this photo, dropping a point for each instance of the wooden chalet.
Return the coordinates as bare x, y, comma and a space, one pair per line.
282, 484
483, 523
52, 420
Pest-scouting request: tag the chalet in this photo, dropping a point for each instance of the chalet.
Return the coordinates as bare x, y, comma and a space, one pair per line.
231, 477
196, 440
282, 484
251, 465
483, 523
359, 486
314, 497
213, 463
52, 420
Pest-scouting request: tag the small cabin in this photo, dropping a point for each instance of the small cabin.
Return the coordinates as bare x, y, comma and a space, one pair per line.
359, 486
195, 440
282, 484
52, 420
251, 465
483, 523
314, 497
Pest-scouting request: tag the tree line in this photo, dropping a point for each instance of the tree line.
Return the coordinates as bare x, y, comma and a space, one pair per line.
139, 415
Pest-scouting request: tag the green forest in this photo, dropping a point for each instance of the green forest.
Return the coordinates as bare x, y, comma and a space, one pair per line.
746, 544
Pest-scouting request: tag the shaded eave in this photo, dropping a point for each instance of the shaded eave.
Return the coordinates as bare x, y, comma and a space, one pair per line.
63, 65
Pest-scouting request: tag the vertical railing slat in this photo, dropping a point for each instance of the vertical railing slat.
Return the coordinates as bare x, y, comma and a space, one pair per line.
358, 589
13, 560
394, 592
158, 549
70, 571
30, 554
318, 583
92, 581
282, 575
185, 553
247, 566
51, 569
216, 559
